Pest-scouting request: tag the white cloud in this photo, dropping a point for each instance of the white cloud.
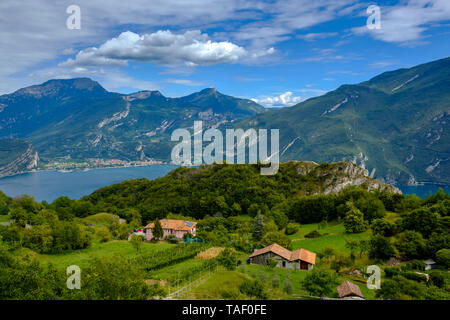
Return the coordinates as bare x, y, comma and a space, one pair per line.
315, 36
184, 82
283, 100
162, 47
407, 22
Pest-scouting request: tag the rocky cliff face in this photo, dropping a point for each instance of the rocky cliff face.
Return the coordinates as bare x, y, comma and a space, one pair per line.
24, 162
339, 175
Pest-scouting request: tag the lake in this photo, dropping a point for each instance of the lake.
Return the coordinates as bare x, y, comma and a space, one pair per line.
49, 185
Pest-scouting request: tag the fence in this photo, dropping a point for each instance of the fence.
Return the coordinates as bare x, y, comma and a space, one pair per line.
193, 282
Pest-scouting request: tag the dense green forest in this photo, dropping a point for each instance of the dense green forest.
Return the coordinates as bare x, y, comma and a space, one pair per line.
231, 190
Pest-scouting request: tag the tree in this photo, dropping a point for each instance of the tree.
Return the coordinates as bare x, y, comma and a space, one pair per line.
381, 248
136, 242
354, 221
410, 244
421, 220
157, 230
258, 227
382, 227
443, 257
270, 227
276, 237
39, 238
320, 282
400, 288
352, 245
327, 253
363, 246
372, 208
340, 262
228, 258
113, 278
253, 288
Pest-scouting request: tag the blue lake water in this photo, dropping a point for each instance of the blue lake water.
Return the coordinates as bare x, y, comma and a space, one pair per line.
423, 191
49, 185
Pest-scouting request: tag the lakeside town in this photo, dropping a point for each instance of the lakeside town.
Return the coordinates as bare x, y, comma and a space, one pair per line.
93, 163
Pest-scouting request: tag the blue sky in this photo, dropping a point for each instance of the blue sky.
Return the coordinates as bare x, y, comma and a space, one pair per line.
276, 52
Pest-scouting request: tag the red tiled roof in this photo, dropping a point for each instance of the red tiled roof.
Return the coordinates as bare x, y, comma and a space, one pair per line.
299, 254
304, 255
349, 289
174, 225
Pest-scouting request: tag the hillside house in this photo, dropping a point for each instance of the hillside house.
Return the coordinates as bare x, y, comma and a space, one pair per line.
178, 228
301, 259
349, 291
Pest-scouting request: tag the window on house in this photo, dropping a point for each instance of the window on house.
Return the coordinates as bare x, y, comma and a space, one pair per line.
283, 264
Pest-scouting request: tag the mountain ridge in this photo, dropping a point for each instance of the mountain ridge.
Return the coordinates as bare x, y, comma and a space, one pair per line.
395, 124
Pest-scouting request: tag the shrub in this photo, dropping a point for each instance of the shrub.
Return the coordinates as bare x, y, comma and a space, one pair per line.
391, 271
253, 288
411, 275
287, 286
262, 276
230, 293
104, 234
275, 281
271, 263
292, 228
172, 239
437, 277
313, 234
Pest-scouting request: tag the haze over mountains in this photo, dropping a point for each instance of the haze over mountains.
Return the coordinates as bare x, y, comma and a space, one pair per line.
395, 125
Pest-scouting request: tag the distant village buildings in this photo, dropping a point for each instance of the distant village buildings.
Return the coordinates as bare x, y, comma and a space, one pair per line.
300, 259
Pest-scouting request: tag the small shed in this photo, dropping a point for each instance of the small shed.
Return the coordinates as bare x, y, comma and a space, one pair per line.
349, 291
429, 264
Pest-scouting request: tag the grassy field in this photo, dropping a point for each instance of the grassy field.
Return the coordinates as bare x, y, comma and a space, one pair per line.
97, 249
332, 235
222, 280
4, 218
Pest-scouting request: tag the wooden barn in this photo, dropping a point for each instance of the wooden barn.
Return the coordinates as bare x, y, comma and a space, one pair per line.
301, 259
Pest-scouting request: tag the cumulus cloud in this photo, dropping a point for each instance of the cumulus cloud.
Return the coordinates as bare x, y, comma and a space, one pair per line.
407, 22
162, 47
283, 100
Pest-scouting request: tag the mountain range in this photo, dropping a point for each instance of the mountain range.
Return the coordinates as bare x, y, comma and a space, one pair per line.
395, 124
78, 119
